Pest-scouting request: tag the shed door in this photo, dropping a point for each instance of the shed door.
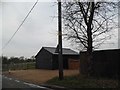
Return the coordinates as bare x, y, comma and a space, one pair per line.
74, 64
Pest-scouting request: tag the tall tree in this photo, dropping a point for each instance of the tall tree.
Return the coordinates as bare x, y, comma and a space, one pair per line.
32, 58
87, 24
4, 59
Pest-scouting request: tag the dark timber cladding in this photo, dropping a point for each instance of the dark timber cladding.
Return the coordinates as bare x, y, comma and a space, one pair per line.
47, 58
105, 63
44, 59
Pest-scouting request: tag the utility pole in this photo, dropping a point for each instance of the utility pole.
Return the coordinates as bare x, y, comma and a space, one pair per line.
60, 57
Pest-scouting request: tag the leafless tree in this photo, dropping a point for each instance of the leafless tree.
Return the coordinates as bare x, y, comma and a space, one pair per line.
88, 23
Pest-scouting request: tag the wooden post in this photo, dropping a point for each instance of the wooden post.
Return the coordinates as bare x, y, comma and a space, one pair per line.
60, 57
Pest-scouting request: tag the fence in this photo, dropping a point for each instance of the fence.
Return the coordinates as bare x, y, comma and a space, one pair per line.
105, 63
19, 66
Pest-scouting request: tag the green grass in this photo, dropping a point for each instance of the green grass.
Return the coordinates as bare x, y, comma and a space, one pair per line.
80, 81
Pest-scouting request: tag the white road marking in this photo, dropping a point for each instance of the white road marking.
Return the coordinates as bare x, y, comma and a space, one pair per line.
10, 78
33, 85
17, 80
5, 77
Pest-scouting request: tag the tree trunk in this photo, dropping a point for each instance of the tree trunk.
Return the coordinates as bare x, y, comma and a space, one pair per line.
89, 50
89, 34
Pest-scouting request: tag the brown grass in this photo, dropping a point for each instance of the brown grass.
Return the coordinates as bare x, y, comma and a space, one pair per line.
38, 76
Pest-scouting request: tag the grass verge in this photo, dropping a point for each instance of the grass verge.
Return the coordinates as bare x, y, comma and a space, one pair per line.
80, 81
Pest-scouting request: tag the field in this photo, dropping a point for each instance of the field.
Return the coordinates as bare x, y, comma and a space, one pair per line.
18, 66
38, 76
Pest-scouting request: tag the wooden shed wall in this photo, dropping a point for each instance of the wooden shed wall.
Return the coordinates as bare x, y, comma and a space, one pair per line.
105, 63
44, 60
55, 62
66, 61
73, 63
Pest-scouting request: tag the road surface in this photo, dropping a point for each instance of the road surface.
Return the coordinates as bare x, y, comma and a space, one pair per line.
20, 85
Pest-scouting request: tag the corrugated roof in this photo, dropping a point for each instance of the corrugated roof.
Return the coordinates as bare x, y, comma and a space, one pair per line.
66, 51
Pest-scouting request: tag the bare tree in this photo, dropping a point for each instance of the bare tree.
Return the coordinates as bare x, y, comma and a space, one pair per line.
88, 23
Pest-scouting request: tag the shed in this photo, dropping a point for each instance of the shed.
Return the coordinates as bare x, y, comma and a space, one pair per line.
47, 58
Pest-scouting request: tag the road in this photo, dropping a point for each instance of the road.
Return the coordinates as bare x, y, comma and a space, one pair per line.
20, 85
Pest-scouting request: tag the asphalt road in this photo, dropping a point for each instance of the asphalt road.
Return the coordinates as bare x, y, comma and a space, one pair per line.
10, 83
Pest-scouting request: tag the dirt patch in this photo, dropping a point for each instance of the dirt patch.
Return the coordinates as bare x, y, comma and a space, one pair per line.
38, 76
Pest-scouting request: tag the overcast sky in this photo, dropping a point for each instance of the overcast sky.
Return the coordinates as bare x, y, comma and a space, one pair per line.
39, 30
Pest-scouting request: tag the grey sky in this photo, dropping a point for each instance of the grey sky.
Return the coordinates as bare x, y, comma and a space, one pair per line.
119, 26
39, 30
